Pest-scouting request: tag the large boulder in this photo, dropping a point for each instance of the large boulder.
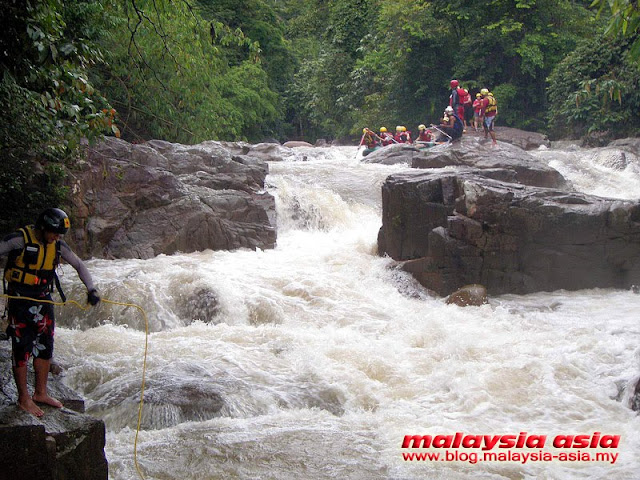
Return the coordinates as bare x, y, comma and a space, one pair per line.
138, 201
507, 162
460, 228
522, 138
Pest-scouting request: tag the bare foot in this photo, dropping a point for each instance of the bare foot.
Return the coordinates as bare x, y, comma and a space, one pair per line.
46, 399
29, 406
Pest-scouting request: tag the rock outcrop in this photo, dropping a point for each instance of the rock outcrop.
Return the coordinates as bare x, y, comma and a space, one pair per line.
459, 228
64, 444
507, 163
138, 201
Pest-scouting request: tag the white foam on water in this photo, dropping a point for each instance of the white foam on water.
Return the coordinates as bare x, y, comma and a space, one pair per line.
324, 356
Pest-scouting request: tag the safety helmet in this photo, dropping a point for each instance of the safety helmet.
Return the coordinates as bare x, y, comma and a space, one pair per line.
448, 110
484, 91
53, 220
454, 83
399, 128
490, 94
404, 129
364, 130
383, 129
422, 127
478, 95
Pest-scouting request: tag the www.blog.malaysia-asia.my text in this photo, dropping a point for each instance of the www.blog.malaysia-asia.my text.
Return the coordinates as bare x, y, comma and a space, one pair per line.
521, 448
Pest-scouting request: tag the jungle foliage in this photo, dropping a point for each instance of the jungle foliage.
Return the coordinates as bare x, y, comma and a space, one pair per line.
295, 69
48, 102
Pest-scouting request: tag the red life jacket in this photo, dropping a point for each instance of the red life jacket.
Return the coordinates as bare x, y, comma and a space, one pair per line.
424, 136
387, 138
465, 98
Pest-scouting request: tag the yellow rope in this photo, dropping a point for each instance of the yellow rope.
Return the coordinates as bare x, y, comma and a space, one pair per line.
144, 363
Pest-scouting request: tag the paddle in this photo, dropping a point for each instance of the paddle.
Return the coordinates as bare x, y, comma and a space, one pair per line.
442, 132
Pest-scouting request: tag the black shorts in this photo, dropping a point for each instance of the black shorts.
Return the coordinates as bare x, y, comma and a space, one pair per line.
31, 328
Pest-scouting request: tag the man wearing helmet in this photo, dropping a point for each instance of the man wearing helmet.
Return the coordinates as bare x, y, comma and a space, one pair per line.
490, 109
457, 100
402, 135
424, 134
451, 124
387, 138
369, 139
34, 252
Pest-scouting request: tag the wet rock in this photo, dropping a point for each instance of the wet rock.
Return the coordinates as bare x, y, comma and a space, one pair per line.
203, 305
635, 398
469, 295
63, 444
521, 138
294, 144
458, 228
181, 394
139, 201
507, 162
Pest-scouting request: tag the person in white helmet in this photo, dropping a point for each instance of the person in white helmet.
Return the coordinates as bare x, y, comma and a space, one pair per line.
451, 124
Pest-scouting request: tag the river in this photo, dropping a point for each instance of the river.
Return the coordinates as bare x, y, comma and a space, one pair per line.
315, 359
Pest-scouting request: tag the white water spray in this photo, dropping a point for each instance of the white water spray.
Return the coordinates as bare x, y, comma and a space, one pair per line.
315, 359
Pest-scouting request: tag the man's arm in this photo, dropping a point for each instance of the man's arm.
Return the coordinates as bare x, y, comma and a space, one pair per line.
72, 259
14, 241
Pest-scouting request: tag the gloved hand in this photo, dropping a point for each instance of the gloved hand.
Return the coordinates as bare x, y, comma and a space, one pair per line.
92, 297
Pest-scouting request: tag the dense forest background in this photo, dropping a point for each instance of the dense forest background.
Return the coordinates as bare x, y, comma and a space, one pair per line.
193, 70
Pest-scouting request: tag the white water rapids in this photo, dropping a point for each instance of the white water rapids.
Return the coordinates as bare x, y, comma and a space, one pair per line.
315, 359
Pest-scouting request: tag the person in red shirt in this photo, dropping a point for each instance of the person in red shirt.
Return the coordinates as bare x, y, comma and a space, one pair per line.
478, 112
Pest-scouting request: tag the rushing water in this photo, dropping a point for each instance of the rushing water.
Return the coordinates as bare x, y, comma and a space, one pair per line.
315, 359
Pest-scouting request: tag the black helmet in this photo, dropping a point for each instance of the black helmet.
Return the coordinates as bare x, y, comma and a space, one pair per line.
53, 220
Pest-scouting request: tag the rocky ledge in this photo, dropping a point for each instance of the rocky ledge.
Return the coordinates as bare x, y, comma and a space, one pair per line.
64, 444
139, 201
492, 217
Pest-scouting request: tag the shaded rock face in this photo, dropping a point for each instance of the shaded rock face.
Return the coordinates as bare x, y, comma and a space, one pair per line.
62, 445
138, 201
463, 228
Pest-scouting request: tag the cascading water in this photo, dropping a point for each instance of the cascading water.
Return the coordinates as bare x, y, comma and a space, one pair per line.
315, 359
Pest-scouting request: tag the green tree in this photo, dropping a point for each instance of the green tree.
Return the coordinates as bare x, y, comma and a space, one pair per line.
596, 89
624, 20
512, 46
49, 104
170, 77
327, 39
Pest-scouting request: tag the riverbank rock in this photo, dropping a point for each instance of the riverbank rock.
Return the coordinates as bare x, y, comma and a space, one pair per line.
506, 162
62, 445
139, 201
459, 228
519, 138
